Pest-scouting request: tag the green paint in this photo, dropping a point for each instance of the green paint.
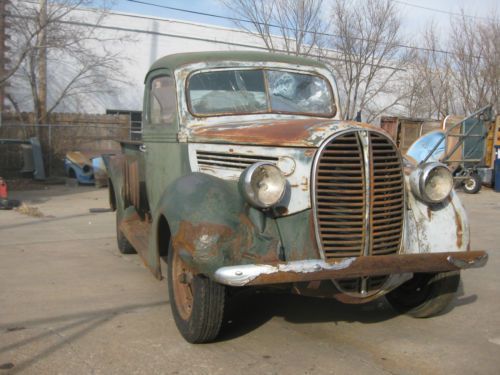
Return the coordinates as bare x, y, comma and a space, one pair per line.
217, 227
172, 62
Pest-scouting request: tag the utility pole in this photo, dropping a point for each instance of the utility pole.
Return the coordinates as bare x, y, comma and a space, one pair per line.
42, 65
3, 49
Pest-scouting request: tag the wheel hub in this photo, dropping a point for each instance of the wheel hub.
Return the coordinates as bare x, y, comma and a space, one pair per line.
183, 287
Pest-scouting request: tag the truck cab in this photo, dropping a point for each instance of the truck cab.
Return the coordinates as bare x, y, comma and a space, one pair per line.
247, 176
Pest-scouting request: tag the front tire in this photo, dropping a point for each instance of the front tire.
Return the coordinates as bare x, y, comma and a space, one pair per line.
197, 302
472, 184
426, 294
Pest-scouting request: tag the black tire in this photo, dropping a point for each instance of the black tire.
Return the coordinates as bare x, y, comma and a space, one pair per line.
472, 184
124, 246
426, 294
203, 320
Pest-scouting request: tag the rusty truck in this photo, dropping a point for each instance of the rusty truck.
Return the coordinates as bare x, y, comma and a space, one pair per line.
247, 177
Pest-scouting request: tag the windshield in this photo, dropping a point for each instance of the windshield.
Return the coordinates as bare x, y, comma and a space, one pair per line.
259, 91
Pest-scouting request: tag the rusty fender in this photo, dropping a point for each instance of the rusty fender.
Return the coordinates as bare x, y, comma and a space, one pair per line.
317, 269
212, 226
428, 227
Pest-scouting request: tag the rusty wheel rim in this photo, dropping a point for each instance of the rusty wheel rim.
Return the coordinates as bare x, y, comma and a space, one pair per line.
182, 278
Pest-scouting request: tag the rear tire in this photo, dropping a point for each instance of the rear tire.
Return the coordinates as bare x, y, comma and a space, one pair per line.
197, 302
426, 294
124, 245
472, 184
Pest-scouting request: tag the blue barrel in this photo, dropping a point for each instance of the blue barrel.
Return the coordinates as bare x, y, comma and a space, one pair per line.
496, 170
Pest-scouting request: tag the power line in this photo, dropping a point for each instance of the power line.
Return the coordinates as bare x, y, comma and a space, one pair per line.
182, 10
441, 10
179, 36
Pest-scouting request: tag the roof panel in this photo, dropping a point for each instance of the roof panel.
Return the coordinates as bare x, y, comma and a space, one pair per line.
177, 60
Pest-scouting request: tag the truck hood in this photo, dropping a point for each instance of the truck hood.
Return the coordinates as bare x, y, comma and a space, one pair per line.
289, 132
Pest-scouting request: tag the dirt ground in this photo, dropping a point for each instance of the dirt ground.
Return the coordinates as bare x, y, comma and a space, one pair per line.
71, 304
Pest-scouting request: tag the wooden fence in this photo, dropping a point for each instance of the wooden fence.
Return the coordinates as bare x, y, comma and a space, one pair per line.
63, 132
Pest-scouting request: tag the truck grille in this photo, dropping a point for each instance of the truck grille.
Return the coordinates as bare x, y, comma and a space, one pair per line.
229, 160
356, 285
359, 196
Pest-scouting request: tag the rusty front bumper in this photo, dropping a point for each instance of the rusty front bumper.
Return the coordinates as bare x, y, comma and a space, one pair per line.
316, 269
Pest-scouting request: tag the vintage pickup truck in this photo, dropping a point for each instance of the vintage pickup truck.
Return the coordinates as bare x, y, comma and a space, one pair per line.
247, 176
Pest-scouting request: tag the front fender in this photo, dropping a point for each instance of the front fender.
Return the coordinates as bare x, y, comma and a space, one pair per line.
212, 226
436, 228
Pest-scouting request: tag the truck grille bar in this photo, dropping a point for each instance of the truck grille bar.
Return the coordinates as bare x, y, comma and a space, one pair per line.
358, 196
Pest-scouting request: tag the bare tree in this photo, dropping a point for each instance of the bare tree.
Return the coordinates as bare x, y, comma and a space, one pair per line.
475, 49
433, 77
459, 74
490, 37
415, 104
68, 43
369, 42
20, 50
291, 26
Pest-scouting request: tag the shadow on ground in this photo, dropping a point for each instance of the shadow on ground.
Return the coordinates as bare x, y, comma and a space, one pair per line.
79, 324
249, 311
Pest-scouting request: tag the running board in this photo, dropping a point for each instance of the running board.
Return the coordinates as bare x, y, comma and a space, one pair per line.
137, 232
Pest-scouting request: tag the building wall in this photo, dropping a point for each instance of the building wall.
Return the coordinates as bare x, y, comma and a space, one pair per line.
139, 41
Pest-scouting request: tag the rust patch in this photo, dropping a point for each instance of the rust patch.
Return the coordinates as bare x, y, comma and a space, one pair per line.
429, 213
374, 266
269, 132
215, 245
458, 223
131, 183
200, 240
310, 153
290, 132
304, 184
460, 232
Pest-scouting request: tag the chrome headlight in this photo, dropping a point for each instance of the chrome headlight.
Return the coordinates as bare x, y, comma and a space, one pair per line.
431, 182
262, 184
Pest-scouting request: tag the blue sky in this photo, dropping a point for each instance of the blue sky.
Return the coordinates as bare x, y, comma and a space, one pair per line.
204, 6
414, 18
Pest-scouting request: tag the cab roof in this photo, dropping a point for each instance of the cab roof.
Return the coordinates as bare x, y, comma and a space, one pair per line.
174, 61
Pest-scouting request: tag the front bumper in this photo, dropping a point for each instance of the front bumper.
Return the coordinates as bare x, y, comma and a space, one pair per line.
317, 269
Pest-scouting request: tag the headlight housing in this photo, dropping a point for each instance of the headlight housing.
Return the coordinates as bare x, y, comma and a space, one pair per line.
431, 182
263, 184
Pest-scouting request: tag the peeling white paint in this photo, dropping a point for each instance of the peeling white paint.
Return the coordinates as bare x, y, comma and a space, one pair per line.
436, 228
299, 198
243, 274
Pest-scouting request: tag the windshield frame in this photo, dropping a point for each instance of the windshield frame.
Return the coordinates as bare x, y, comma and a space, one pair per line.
270, 110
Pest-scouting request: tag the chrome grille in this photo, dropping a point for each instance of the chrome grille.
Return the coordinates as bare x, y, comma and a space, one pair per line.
387, 198
341, 198
354, 219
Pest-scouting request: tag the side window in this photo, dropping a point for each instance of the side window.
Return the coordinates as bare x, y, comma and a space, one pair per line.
162, 100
